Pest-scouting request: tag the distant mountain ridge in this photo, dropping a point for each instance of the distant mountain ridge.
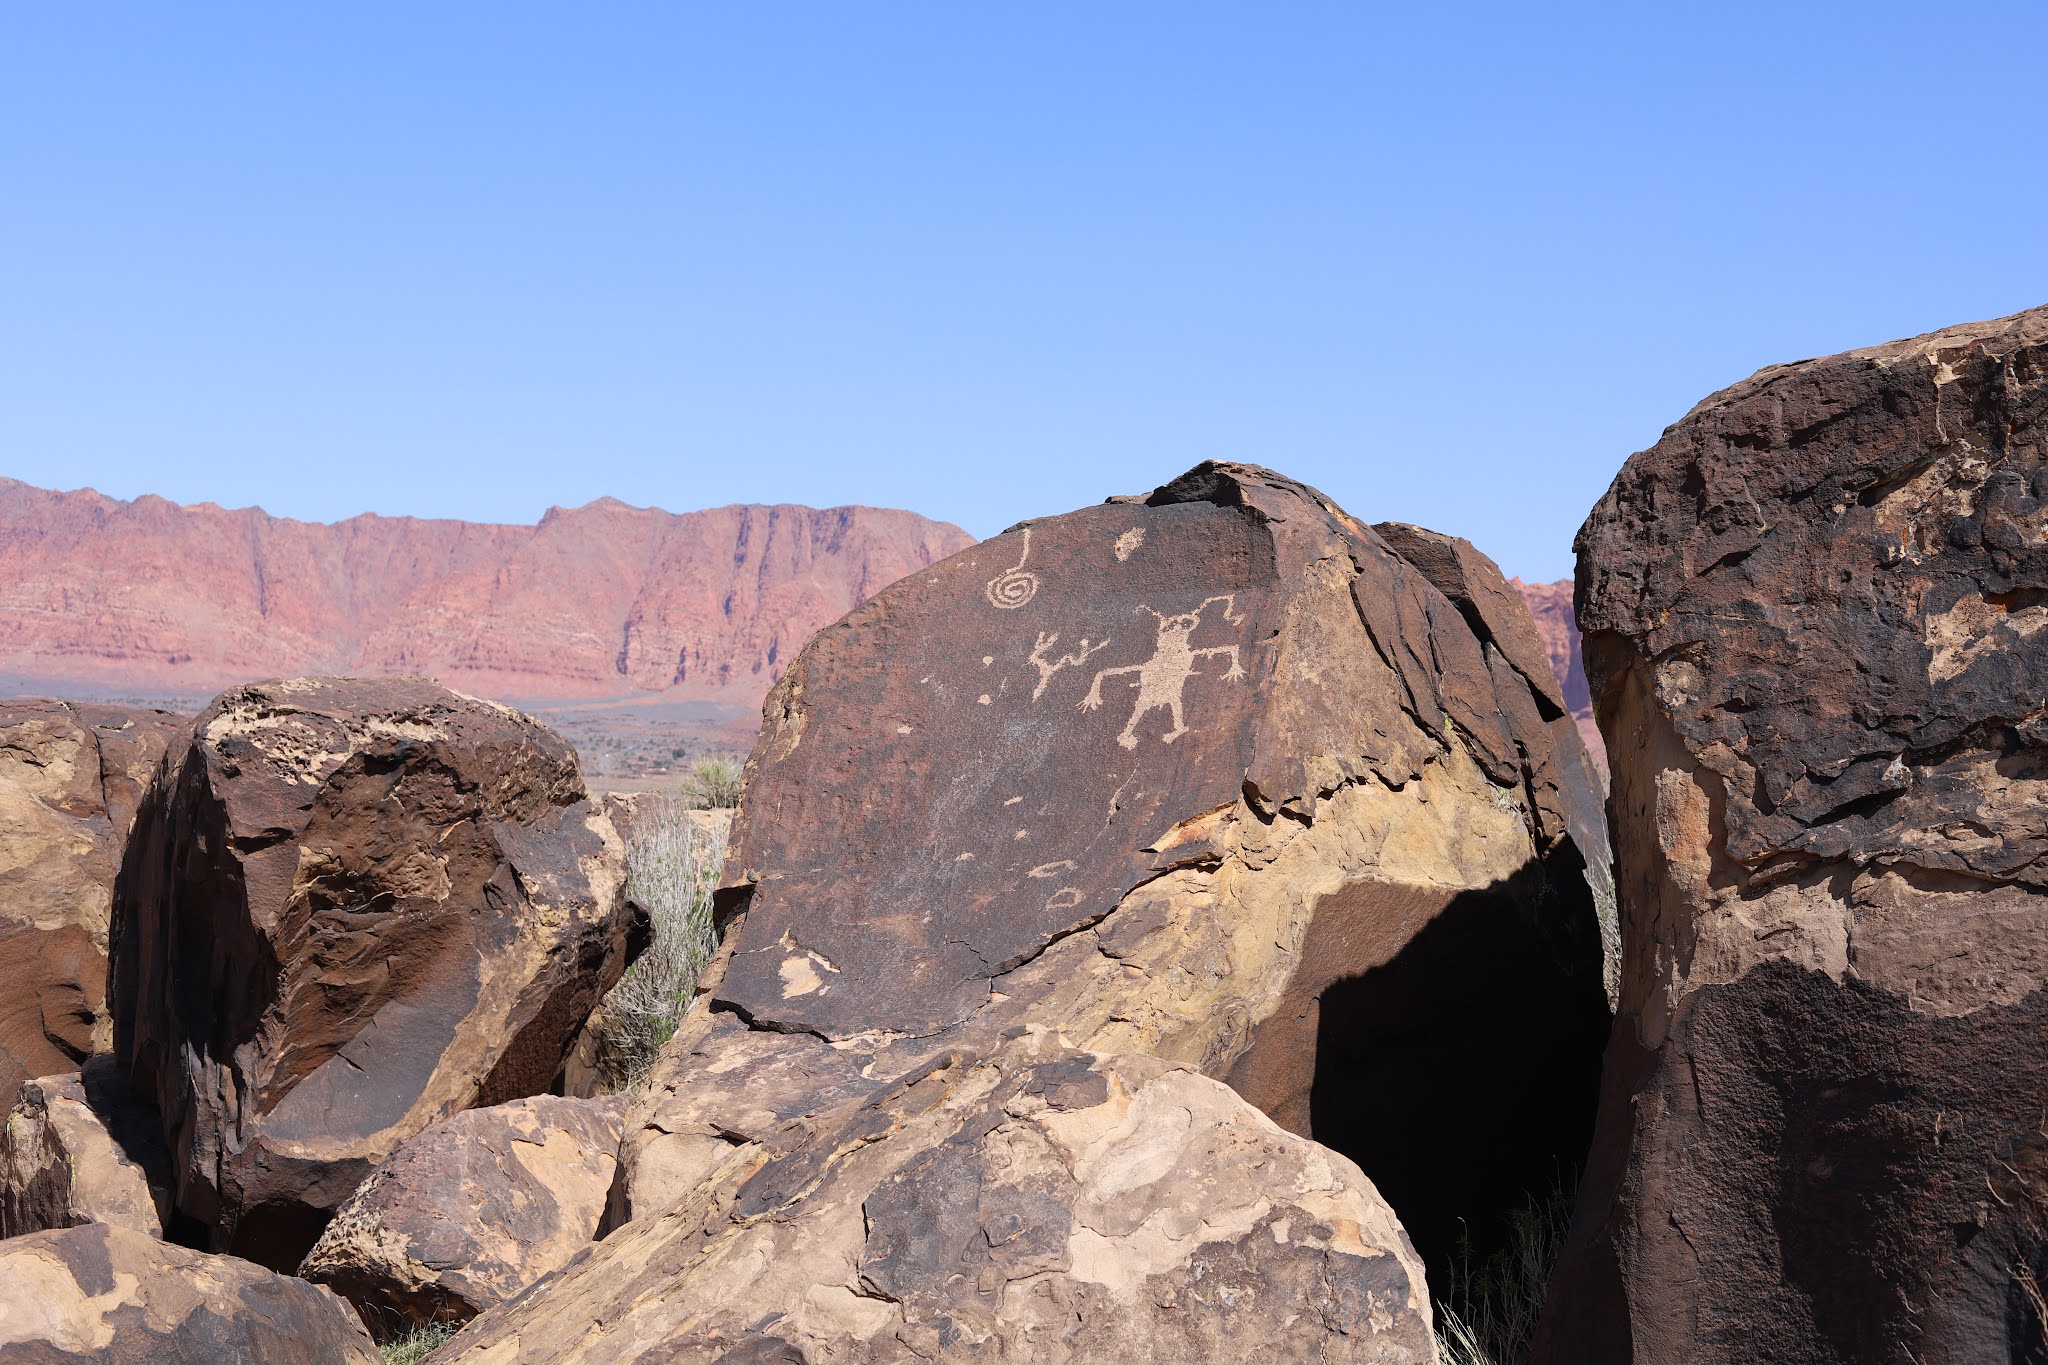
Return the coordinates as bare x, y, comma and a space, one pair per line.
1556, 622
101, 596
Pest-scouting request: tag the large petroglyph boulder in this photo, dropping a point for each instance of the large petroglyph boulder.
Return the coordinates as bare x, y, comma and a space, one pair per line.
1219, 775
1814, 616
102, 1295
1037, 1204
78, 1148
71, 776
353, 907
472, 1210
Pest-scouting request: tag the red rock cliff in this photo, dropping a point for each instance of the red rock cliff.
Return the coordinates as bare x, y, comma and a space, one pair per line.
150, 598
1551, 604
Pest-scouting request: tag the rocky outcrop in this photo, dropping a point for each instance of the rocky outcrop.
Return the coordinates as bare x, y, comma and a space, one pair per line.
101, 1295
471, 1211
79, 1149
150, 598
1814, 619
1038, 1204
71, 776
1558, 624
1219, 775
352, 908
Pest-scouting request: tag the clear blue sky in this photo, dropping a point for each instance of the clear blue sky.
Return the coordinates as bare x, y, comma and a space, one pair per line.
1450, 263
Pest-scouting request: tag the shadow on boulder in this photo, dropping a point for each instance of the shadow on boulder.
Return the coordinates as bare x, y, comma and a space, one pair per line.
1463, 1075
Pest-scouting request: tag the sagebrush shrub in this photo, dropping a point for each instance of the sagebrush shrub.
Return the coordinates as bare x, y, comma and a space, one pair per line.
673, 860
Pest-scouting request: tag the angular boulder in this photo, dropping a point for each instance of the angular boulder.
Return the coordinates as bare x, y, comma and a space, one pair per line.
103, 1295
353, 907
71, 777
1814, 617
473, 1210
79, 1149
1037, 1204
1219, 775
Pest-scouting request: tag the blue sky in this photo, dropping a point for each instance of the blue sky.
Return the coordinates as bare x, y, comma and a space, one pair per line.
1451, 264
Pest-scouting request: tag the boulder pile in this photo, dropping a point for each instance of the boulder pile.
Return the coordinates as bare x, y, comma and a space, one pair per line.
352, 908
1181, 929
1089, 889
340, 911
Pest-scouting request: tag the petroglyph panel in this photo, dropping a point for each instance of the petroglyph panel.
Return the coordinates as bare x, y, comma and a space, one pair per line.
1062, 733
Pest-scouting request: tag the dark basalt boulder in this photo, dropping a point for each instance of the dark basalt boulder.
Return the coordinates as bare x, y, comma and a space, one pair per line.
351, 908
71, 776
1816, 617
102, 1295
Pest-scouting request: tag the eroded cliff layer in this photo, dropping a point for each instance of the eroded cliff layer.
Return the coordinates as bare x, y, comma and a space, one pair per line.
147, 598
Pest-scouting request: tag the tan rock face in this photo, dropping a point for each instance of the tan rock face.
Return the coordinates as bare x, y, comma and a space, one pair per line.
474, 1209
1812, 617
356, 907
1330, 848
79, 1149
596, 601
1039, 1204
71, 776
101, 1295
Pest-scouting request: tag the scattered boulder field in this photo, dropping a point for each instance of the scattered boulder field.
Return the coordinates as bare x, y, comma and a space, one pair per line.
1190, 928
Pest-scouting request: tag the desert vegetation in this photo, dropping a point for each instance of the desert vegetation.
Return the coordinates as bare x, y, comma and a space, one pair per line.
1487, 1315
673, 857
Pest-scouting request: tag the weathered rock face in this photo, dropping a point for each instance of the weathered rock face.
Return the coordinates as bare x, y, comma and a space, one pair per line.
352, 908
101, 1295
1039, 1204
79, 1149
1814, 619
1220, 775
71, 776
474, 1209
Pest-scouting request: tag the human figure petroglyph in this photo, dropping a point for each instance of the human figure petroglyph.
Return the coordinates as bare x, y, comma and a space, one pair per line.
1163, 677
1047, 667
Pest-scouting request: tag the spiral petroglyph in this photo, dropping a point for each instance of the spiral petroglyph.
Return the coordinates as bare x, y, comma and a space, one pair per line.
1014, 587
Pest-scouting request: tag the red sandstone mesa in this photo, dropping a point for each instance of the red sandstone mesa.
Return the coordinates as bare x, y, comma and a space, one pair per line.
150, 598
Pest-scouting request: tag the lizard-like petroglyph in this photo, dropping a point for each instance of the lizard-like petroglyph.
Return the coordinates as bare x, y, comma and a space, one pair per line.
1047, 667
1014, 587
1163, 677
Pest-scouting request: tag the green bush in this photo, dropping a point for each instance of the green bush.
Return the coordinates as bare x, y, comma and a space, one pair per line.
713, 784
415, 1343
